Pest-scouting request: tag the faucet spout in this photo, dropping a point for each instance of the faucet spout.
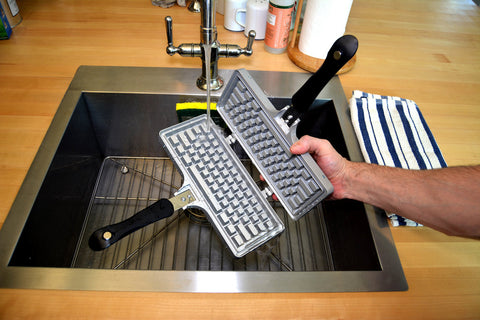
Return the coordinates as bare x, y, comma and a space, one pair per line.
208, 29
208, 38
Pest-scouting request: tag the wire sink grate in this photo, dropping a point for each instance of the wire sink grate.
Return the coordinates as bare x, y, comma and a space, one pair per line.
186, 241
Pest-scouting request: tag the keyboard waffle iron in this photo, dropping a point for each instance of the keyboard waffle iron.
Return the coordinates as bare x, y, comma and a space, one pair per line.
266, 134
215, 179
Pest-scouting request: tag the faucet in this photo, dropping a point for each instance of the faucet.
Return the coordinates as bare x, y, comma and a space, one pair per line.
208, 36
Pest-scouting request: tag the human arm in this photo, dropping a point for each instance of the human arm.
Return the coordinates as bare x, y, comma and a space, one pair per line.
445, 199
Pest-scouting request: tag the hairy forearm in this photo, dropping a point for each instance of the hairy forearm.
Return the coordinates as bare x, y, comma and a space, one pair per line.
445, 199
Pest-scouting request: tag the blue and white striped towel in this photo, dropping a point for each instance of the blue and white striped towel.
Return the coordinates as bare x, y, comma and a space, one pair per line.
393, 132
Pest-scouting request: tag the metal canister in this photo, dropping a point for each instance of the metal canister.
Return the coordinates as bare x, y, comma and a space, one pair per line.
279, 20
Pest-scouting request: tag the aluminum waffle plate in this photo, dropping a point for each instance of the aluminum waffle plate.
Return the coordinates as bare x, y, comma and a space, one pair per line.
296, 180
222, 186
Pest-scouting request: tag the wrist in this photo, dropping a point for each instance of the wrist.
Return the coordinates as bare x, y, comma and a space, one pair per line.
351, 175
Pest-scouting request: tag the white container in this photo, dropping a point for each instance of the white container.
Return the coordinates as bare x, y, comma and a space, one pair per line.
256, 18
324, 22
230, 17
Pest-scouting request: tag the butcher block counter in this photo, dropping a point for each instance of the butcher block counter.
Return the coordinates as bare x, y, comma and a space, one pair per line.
427, 51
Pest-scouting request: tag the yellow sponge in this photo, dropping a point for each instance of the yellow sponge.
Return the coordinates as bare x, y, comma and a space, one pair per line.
195, 106
188, 110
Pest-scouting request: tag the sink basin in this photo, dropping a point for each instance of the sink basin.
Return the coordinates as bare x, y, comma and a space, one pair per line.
101, 161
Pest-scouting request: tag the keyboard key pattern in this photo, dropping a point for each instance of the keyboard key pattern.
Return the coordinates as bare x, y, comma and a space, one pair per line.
297, 187
231, 199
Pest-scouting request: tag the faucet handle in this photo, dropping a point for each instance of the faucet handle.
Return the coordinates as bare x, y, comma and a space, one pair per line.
168, 25
251, 37
234, 50
185, 49
171, 49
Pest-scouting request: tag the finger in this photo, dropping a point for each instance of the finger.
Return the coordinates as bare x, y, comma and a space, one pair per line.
308, 144
304, 145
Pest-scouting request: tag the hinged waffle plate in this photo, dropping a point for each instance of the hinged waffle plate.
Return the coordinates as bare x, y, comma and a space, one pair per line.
222, 187
296, 180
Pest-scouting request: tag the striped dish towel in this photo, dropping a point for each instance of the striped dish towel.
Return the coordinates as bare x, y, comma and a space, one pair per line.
392, 132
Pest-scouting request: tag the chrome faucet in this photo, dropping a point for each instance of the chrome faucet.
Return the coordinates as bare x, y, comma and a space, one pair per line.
208, 36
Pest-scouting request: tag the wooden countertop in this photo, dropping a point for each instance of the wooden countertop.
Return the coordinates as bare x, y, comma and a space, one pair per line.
427, 51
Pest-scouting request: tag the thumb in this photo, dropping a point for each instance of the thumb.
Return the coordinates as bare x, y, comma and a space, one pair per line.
304, 145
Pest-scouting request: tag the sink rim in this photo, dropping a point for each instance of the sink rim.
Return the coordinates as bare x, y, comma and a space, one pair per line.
159, 81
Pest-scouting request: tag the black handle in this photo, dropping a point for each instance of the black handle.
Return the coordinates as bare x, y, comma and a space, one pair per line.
168, 26
106, 236
339, 54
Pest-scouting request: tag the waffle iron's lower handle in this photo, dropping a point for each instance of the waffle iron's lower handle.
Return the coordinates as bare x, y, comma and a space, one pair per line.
106, 236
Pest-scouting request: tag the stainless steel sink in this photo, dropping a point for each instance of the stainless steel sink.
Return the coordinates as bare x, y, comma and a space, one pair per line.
101, 161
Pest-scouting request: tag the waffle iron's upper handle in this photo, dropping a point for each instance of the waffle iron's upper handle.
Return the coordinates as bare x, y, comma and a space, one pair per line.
339, 54
106, 236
